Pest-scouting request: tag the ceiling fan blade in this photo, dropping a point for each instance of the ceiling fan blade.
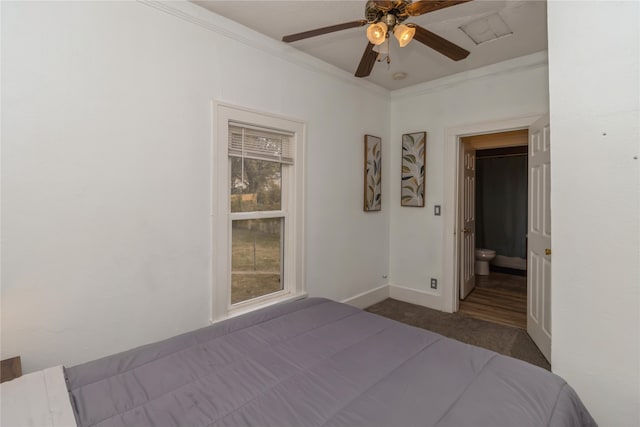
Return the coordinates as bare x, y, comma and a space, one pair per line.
324, 30
426, 6
439, 44
367, 62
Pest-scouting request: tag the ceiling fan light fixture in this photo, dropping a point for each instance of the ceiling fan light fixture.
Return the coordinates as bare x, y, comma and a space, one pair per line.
377, 33
404, 34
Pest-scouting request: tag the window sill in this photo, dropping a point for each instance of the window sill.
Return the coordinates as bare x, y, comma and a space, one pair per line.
247, 309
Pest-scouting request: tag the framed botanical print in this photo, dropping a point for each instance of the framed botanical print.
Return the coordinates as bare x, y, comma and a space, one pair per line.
414, 148
372, 173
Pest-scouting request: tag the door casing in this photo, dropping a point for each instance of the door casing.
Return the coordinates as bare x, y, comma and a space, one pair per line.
451, 245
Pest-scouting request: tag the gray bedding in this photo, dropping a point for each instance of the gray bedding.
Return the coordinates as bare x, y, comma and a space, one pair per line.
315, 362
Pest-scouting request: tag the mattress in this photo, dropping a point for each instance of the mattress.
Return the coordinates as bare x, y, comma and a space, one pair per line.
316, 362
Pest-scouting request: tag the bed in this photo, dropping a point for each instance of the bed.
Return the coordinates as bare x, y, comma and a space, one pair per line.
316, 362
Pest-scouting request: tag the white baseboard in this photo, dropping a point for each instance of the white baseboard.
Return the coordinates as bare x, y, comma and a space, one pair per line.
400, 293
415, 296
368, 298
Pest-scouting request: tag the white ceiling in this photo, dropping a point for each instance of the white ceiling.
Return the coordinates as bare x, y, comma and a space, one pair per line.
526, 18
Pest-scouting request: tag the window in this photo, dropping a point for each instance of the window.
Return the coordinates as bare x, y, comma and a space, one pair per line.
258, 222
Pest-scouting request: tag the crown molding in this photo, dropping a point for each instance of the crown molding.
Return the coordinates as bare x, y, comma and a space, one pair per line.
225, 27
191, 12
515, 65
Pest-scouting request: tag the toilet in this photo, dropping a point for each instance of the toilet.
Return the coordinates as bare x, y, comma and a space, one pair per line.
483, 257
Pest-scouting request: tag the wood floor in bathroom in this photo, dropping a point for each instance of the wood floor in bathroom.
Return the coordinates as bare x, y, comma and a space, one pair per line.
498, 298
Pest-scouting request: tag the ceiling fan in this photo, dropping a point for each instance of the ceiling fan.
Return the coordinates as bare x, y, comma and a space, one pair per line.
385, 18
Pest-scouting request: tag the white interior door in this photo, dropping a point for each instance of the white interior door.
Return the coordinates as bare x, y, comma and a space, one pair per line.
468, 221
539, 237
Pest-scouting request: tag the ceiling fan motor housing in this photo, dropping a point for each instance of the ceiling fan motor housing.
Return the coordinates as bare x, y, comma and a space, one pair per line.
376, 11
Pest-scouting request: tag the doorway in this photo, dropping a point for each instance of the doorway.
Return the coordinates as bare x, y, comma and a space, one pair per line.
538, 231
495, 222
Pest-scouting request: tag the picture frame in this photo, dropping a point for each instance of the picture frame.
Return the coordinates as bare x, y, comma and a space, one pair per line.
414, 157
372, 173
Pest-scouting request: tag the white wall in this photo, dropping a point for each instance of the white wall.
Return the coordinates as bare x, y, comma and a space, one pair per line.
594, 79
511, 89
106, 147
106, 171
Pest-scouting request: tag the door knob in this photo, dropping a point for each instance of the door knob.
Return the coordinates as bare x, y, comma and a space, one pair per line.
547, 251
466, 230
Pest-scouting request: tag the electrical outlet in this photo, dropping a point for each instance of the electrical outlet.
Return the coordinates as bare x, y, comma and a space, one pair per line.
434, 283
436, 210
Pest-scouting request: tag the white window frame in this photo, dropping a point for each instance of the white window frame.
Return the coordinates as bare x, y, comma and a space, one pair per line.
292, 209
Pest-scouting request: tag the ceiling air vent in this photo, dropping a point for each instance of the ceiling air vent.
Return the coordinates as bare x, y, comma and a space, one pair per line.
486, 29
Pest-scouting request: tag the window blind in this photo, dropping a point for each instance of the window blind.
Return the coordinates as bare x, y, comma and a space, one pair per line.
253, 142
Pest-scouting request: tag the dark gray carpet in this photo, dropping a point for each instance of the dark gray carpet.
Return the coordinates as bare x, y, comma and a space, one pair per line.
507, 340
